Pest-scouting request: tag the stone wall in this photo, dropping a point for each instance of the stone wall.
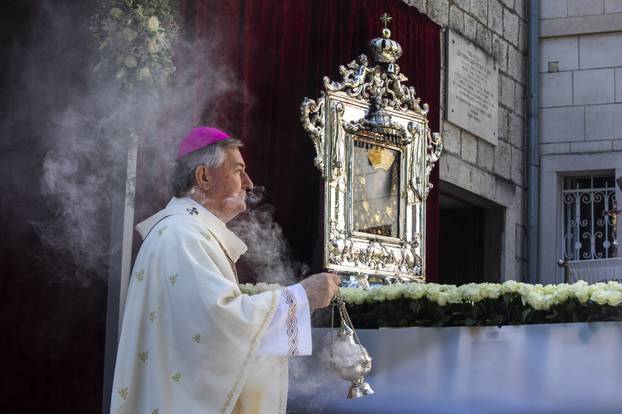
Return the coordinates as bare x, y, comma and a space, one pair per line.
496, 173
580, 105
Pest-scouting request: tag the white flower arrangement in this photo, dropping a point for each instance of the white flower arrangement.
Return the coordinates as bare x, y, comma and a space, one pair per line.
134, 40
537, 296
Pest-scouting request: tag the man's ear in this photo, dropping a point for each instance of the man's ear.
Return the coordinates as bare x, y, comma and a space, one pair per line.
201, 177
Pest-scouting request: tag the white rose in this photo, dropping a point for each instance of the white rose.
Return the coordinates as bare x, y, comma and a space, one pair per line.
510, 286
129, 34
130, 61
377, 294
581, 292
354, 296
393, 292
614, 297
432, 292
153, 24
116, 13
536, 300
152, 46
144, 74
490, 290
415, 290
599, 296
471, 291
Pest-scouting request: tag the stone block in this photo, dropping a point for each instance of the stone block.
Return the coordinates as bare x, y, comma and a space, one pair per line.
523, 31
518, 169
585, 7
557, 148
555, 89
600, 50
468, 150
520, 102
419, 4
508, 3
463, 4
438, 10
451, 138
594, 86
562, 124
503, 159
456, 19
520, 8
516, 64
516, 130
470, 27
495, 16
564, 50
486, 155
502, 130
479, 10
617, 145
603, 122
613, 6
510, 26
483, 38
500, 52
618, 85
506, 194
551, 9
507, 91
590, 146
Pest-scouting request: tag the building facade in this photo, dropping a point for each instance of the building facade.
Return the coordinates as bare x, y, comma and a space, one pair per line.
482, 206
580, 132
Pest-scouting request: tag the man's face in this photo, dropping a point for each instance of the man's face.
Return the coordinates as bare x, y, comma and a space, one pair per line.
228, 185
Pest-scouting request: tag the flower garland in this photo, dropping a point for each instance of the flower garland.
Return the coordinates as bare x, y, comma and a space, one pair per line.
511, 302
134, 40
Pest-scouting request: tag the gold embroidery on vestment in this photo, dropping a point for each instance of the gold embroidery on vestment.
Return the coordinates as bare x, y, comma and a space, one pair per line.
253, 345
173, 279
124, 392
140, 275
152, 316
176, 377
143, 355
156, 411
196, 338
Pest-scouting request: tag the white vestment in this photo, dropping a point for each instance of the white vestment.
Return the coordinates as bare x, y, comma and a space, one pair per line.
190, 340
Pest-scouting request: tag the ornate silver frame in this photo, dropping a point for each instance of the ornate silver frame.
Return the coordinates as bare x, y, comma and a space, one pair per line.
371, 105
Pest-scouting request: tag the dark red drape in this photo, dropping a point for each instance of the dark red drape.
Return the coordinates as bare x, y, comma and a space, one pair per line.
278, 53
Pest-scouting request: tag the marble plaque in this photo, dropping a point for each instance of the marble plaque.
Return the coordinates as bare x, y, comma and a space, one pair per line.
472, 88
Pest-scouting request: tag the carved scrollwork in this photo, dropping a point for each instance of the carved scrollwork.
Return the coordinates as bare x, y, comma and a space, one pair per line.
375, 255
364, 82
338, 162
434, 150
376, 152
312, 118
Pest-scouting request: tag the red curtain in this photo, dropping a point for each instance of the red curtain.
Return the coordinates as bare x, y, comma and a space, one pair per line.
278, 52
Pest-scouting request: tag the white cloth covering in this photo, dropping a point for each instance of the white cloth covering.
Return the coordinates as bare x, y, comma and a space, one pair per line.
190, 339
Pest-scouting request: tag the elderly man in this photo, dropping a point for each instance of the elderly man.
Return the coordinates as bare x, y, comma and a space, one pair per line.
191, 342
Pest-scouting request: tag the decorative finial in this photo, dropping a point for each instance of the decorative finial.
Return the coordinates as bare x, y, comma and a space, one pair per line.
384, 49
385, 18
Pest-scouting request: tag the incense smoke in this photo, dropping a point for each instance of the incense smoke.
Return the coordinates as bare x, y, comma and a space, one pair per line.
87, 123
268, 252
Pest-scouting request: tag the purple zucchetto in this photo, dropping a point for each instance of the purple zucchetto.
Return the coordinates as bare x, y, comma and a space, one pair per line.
200, 137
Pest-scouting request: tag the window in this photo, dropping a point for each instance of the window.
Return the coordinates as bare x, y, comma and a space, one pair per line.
589, 230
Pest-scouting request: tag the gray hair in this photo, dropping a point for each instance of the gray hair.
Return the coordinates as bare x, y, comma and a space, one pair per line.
211, 156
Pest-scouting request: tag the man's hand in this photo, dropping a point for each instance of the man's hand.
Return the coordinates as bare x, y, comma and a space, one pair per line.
321, 289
